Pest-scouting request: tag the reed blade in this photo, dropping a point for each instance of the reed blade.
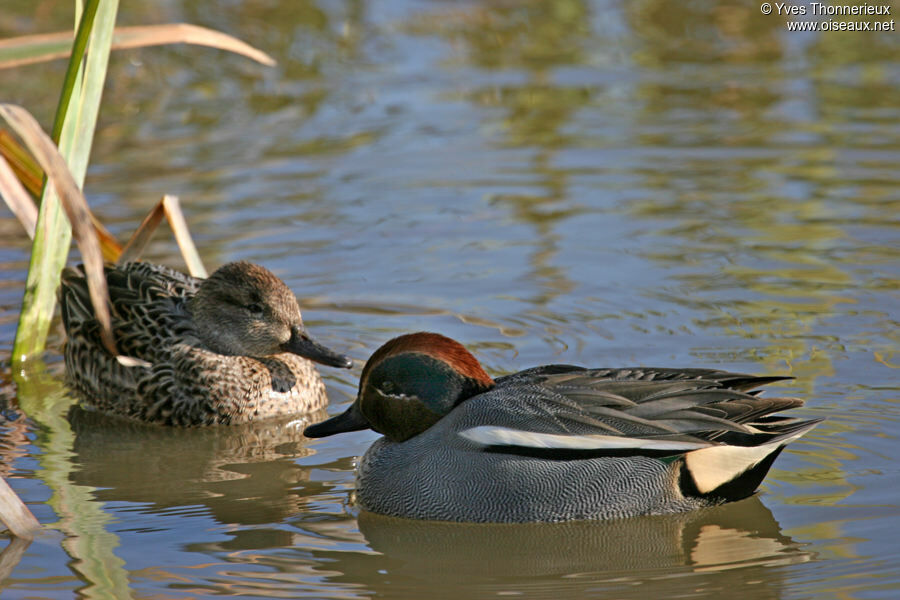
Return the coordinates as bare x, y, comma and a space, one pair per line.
17, 198
74, 131
15, 515
28, 171
141, 236
31, 49
183, 237
64, 186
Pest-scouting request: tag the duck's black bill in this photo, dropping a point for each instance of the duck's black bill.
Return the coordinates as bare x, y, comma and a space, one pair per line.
303, 345
349, 420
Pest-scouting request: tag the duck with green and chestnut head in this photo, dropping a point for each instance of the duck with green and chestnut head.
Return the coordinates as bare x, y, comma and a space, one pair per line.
224, 350
556, 442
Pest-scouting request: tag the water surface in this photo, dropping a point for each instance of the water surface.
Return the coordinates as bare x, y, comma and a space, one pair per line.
599, 183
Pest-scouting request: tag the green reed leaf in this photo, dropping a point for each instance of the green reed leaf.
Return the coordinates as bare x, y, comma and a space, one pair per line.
74, 131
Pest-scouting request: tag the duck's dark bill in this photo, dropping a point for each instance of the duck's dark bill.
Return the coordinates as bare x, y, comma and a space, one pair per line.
303, 345
349, 420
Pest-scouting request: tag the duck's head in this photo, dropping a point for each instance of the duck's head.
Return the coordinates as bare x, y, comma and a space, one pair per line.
407, 386
244, 309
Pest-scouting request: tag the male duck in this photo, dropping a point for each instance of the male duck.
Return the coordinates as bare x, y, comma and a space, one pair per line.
229, 349
556, 442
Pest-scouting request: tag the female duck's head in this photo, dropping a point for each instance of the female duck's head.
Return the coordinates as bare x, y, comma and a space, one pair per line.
244, 309
408, 385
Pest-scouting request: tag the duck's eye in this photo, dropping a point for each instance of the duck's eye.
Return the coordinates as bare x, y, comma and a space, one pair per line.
387, 387
255, 308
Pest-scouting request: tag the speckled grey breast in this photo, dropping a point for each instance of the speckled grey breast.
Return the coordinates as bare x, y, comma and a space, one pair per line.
439, 475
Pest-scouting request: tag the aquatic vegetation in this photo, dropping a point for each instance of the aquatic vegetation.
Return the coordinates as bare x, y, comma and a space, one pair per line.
64, 155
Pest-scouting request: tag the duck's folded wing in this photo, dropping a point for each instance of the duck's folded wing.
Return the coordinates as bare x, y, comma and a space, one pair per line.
580, 411
143, 305
718, 435
165, 280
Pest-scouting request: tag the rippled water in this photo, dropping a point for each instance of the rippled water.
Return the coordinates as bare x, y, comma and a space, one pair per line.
603, 183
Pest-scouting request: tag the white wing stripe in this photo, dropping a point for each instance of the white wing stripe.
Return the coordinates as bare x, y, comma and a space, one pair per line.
486, 435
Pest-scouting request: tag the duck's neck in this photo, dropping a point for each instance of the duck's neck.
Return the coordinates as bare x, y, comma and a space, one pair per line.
211, 333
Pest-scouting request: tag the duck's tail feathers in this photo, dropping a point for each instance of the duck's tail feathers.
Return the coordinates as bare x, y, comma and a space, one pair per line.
726, 472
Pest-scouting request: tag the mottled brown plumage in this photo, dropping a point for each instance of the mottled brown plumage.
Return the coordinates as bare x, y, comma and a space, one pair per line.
228, 349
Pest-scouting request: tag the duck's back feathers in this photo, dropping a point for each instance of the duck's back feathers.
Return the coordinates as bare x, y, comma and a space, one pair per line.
145, 299
735, 381
653, 402
147, 309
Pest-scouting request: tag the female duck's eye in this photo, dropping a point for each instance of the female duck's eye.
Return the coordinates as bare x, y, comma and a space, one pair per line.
255, 308
387, 387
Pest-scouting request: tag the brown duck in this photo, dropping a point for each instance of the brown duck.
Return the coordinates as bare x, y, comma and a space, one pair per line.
228, 349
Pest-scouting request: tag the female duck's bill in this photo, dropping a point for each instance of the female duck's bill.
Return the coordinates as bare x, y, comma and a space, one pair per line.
301, 344
555, 442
